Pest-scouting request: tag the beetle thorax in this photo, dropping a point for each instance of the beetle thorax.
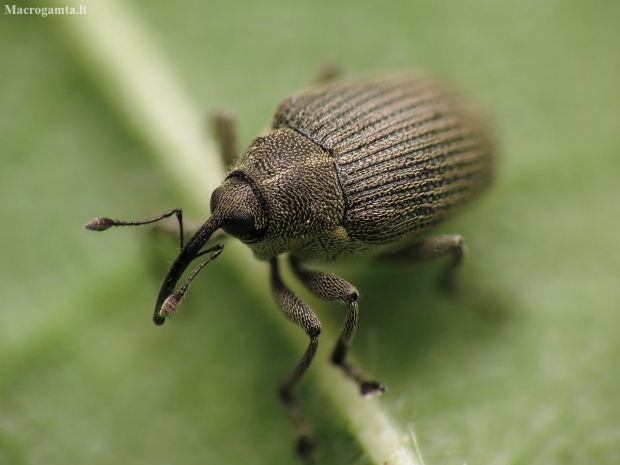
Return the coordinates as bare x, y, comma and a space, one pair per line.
298, 186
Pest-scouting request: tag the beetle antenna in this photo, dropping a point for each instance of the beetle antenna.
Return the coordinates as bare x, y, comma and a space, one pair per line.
172, 302
102, 223
168, 300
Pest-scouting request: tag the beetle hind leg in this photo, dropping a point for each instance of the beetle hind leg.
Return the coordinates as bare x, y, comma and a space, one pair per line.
330, 287
431, 248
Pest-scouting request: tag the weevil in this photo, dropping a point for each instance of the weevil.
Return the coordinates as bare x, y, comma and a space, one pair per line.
361, 165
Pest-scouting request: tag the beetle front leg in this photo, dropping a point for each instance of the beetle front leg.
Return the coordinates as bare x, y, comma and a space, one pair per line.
331, 287
225, 131
300, 314
429, 249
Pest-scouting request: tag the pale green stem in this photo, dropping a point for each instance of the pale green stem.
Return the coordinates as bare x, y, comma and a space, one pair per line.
125, 62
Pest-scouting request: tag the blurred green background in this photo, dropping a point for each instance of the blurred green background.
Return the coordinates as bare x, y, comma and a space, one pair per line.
522, 368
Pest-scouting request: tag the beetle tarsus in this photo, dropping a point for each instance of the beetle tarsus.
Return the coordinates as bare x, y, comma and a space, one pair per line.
306, 445
370, 388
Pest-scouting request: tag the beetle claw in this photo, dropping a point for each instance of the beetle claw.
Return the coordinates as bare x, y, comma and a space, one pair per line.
369, 388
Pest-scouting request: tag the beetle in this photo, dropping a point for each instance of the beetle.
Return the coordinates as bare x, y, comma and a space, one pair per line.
360, 165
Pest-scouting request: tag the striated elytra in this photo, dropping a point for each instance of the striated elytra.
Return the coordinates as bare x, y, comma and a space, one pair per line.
351, 166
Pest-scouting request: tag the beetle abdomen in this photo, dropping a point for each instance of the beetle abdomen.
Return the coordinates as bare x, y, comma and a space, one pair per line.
407, 152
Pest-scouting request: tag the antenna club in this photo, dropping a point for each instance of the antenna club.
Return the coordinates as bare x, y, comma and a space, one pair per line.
170, 305
99, 224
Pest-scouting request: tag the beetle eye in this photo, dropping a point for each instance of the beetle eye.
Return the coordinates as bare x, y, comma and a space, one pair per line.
215, 199
239, 224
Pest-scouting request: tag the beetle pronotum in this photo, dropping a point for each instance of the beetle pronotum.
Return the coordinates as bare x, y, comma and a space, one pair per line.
352, 166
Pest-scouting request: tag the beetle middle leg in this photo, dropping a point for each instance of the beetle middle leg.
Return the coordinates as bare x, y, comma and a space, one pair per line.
300, 314
327, 73
331, 287
429, 249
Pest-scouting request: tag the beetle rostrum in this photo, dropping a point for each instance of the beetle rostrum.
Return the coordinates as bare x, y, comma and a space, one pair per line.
350, 167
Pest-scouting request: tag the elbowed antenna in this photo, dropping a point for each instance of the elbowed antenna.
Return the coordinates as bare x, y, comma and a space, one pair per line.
168, 300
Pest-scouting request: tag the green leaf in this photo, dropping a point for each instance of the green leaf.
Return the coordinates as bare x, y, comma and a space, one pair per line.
105, 114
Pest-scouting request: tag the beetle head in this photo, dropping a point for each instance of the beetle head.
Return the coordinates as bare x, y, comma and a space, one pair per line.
240, 209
